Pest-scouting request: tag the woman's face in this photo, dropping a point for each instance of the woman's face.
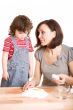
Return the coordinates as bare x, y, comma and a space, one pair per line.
45, 34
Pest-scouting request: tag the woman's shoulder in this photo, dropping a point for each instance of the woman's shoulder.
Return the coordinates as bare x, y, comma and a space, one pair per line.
66, 48
39, 53
40, 50
68, 52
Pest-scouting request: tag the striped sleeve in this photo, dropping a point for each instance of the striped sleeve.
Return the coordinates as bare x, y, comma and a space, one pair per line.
7, 43
30, 48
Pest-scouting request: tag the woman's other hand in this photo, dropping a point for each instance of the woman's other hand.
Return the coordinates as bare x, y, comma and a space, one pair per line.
61, 79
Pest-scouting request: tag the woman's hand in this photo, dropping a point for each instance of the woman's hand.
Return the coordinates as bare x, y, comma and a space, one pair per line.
61, 79
29, 84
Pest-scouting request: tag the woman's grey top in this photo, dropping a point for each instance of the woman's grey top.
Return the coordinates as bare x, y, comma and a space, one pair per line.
60, 66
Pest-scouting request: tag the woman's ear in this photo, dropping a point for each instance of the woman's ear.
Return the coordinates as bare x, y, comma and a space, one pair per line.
54, 34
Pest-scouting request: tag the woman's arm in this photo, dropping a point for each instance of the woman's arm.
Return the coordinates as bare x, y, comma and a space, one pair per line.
36, 77
31, 63
37, 72
69, 79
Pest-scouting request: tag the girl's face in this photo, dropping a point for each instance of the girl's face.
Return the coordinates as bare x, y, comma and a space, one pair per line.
45, 34
20, 34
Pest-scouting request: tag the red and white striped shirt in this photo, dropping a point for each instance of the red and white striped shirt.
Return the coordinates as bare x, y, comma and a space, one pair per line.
9, 47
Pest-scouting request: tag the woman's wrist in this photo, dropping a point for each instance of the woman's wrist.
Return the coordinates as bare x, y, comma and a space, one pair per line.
36, 82
69, 80
30, 79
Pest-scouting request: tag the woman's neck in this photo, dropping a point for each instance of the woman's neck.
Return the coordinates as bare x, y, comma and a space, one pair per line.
56, 51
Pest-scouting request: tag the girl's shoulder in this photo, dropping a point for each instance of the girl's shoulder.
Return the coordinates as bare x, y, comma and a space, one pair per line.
8, 39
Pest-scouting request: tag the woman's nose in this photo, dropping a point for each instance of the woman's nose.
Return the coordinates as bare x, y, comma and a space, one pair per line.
39, 36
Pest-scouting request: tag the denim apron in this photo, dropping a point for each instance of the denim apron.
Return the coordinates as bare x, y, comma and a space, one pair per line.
18, 66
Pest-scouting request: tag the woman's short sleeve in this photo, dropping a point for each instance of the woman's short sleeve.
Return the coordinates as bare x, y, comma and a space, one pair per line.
38, 54
70, 54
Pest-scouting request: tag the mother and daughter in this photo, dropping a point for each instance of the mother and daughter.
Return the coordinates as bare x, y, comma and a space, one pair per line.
52, 57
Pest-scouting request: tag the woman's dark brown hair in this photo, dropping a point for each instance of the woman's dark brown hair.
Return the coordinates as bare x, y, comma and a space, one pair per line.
54, 26
20, 23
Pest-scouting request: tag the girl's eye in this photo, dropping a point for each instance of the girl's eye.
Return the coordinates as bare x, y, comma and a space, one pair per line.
20, 32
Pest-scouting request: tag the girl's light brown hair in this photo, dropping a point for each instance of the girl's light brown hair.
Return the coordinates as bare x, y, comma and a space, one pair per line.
20, 23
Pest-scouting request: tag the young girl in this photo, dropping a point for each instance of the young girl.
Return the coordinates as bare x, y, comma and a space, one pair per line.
17, 53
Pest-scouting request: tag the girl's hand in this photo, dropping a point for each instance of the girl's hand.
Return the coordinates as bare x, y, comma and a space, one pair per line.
5, 76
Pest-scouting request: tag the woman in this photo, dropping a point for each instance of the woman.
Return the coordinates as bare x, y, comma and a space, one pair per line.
52, 57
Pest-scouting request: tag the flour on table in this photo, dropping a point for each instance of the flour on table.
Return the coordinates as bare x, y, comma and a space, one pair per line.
35, 93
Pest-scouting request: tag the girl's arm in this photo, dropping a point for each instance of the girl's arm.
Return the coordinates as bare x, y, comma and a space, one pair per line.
4, 65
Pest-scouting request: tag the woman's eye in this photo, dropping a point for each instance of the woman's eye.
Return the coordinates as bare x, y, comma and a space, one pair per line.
43, 32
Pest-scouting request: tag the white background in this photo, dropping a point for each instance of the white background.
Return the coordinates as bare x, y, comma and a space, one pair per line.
36, 10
